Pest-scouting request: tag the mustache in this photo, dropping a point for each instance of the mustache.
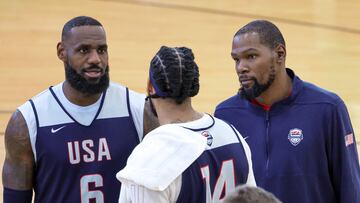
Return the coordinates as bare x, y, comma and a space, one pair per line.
246, 77
92, 68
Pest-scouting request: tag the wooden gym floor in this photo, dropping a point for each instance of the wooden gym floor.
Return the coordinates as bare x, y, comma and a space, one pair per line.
322, 36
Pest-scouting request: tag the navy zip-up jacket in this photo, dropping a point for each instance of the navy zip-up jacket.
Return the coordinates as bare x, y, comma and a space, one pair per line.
303, 148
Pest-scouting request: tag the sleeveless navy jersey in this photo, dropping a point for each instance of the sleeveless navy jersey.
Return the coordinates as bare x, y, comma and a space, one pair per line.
194, 162
78, 163
221, 167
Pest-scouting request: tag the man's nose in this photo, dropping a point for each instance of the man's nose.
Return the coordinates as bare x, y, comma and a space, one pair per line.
242, 67
94, 57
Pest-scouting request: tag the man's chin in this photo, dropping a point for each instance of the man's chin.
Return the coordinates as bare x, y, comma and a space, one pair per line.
247, 88
93, 81
246, 93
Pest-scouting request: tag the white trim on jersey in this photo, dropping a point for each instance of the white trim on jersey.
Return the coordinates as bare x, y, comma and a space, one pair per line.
82, 114
137, 104
115, 105
148, 181
29, 116
251, 178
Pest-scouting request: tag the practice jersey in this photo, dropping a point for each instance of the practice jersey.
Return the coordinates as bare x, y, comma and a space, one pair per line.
78, 150
222, 164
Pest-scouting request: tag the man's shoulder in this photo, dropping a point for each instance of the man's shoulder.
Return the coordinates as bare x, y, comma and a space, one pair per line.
221, 124
113, 86
232, 102
116, 86
315, 94
40, 97
221, 128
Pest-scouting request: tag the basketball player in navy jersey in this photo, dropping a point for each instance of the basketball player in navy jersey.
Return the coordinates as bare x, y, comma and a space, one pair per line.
68, 142
192, 157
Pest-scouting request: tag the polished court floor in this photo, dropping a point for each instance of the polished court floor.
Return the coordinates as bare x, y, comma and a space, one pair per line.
322, 36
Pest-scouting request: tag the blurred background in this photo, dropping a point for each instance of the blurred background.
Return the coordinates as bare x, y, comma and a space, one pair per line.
322, 38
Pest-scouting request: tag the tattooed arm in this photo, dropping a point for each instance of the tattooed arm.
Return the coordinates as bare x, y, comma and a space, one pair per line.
18, 168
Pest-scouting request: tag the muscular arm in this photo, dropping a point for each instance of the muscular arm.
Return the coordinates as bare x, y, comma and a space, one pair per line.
150, 120
18, 168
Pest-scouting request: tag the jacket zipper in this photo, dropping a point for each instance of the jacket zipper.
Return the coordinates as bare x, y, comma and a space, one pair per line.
267, 140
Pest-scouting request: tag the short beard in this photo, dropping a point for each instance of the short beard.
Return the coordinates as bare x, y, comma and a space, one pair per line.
78, 82
257, 89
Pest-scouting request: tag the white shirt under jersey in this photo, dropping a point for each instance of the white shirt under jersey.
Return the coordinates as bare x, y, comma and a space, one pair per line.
153, 175
83, 114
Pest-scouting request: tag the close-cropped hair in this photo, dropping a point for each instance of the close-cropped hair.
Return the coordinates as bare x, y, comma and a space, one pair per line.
250, 194
77, 22
269, 34
174, 73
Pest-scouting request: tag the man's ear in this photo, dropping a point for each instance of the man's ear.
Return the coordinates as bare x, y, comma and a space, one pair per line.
280, 53
150, 88
61, 51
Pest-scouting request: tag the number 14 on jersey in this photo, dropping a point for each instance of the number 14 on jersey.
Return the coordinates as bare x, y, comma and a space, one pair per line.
224, 184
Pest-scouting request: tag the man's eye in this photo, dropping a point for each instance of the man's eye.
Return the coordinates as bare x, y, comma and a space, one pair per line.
83, 50
102, 51
252, 56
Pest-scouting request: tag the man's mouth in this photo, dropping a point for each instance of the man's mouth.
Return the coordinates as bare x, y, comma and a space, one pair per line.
246, 82
93, 72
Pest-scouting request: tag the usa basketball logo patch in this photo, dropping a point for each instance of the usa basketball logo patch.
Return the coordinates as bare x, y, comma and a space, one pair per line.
295, 136
208, 136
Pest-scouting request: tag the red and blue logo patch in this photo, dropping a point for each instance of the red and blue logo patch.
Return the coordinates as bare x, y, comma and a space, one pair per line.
208, 136
295, 136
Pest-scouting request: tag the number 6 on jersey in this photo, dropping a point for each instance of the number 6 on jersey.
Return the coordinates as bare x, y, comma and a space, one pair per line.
86, 194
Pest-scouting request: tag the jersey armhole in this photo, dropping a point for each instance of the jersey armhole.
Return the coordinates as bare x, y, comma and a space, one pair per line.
35, 113
139, 137
243, 149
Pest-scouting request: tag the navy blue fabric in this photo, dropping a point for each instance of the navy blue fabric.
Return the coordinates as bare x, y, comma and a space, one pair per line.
58, 179
193, 189
16, 196
194, 184
320, 168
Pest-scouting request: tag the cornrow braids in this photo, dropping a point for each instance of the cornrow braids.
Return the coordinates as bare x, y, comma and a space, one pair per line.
174, 73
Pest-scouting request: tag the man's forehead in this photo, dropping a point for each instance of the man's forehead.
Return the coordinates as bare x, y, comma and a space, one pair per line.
249, 37
86, 28
86, 33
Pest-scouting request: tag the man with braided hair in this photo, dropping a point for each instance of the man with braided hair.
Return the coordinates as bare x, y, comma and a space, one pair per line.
192, 157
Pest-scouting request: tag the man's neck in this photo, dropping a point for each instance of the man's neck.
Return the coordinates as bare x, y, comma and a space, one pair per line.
279, 90
170, 112
77, 97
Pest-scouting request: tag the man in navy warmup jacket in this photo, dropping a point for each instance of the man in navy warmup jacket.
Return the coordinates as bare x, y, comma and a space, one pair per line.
302, 141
